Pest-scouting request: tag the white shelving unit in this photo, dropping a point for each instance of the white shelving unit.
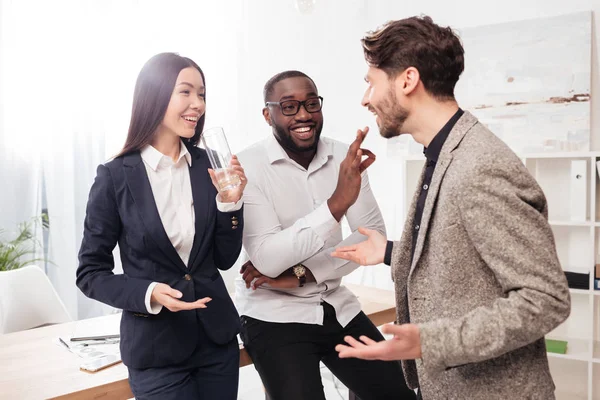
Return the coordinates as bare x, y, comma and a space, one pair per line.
576, 373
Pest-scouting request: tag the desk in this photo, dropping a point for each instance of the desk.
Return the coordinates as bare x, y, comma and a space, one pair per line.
33, 366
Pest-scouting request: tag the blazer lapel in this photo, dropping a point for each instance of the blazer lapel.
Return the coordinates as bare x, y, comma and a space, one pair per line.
462, 126
201, 193
141, 191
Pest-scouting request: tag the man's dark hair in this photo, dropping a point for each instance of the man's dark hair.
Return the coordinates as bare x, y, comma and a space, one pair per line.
435, 51
268, 90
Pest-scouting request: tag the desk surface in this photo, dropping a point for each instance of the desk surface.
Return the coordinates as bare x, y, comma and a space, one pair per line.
34, 366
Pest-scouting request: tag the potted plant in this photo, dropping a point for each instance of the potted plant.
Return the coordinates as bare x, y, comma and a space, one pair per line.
21, 250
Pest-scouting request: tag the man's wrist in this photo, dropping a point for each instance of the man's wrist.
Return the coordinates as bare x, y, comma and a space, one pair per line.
336, 210
302, 280
228, 200
309, 276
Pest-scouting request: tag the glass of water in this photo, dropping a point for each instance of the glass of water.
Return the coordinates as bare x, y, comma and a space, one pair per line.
217, 148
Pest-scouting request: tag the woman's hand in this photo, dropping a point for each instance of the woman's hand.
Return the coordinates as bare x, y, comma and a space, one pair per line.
235, 194
168, 297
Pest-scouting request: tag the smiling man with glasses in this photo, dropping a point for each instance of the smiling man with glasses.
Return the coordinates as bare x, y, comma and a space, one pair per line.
294, 310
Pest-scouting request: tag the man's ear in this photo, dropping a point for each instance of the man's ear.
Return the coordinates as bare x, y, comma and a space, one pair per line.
267, 115
408, 80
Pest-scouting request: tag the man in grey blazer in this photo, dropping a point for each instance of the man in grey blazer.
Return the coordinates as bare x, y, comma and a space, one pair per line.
478, 282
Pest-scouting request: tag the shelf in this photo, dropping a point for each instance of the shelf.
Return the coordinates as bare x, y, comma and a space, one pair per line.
577, 349
570, 377
596, 354
584, 291
564, 155
580, 291
555, 222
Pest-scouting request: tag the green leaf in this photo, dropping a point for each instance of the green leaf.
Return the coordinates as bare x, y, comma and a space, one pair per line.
20, 251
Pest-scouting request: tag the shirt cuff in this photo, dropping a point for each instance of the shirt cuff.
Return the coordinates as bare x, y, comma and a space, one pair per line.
152, 308
229, 207
387, 259
321, 221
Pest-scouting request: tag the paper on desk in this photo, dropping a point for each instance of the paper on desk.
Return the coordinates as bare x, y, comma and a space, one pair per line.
89, 349
108, 325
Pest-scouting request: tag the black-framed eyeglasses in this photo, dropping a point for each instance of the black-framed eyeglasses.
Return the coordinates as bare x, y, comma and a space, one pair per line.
291, 107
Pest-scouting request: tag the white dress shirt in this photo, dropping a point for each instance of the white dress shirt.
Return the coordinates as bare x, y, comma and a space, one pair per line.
287, 221
172, 190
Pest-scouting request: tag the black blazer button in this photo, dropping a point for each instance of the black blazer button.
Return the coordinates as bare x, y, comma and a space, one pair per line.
187, 277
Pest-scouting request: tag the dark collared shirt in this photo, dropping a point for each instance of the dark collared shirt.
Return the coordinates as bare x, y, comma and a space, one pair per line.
432, 153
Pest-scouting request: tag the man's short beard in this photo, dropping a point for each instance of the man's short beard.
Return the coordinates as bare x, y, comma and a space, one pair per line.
396, 113
286, 141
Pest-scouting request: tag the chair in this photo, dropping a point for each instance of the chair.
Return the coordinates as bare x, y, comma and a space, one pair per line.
28, 300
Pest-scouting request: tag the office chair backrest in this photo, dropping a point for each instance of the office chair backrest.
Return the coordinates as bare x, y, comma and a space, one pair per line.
28, 300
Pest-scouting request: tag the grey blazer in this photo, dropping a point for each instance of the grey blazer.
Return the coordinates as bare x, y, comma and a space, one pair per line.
485, 284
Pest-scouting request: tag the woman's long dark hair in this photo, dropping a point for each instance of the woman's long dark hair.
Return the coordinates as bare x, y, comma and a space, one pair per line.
153, 90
